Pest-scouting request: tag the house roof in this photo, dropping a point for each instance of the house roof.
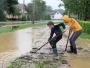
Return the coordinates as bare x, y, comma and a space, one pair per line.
52, 12
21, 6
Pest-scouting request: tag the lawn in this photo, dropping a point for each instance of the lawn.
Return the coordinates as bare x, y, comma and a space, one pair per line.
22, 26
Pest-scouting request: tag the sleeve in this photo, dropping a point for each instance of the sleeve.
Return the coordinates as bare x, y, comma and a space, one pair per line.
71, 30
72, 23
51, 35
62, 24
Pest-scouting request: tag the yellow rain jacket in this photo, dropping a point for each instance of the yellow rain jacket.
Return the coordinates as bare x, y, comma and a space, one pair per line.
74, 25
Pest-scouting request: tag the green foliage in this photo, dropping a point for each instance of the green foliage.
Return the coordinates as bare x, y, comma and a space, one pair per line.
47, 17
2, 16
2, 9
48, 8
10, 66
9, 29
41, 10
78, 7
40, 65
28, 8
11, 6
85, 36
16, 11
24, 18
86, 26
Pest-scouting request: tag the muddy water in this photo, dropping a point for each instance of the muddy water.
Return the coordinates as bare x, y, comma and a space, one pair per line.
80, 61
15, 44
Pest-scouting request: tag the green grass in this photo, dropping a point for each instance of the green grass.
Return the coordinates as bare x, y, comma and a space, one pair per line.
86, 32
23, 26
85, 36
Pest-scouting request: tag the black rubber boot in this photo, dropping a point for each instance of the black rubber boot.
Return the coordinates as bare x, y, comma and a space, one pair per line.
55, 51
71, 50
75, 51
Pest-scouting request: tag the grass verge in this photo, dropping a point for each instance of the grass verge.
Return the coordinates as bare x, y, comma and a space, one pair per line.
22, 26
85, 36
9, 29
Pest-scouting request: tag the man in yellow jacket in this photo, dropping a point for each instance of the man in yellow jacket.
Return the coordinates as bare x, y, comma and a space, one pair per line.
77, 30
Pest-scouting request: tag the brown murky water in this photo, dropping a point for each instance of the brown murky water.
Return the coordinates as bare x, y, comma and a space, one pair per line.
81, 61
15, 44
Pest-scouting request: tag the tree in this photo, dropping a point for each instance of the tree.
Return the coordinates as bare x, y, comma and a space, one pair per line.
40, 8
47, 17
2, 16
16, 11
28, 8
49, 8
78, 7
2, 9
11, 6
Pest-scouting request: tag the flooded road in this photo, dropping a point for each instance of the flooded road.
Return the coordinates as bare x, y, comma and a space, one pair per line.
80, 61
14, 44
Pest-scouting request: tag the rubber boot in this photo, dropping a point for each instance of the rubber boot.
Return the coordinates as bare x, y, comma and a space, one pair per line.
55, 51
75, 51
71, 50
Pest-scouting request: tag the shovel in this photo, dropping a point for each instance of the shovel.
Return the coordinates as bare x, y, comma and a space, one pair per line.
68, 37
67, 41
46, 43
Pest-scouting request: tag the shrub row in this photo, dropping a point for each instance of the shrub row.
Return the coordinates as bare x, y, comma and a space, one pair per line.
86, 26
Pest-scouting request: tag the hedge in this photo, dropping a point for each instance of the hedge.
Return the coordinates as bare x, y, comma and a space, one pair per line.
86, 26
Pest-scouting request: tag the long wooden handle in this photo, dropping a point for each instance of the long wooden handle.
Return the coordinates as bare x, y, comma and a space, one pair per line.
50, 41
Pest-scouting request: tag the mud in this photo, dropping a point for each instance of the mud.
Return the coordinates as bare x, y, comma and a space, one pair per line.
14, 44
23, 41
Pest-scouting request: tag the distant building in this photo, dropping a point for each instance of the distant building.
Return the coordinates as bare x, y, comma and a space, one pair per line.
22, 11
22, 8
56, 14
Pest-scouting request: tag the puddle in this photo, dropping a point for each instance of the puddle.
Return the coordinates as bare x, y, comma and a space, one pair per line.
80, 61
14, 44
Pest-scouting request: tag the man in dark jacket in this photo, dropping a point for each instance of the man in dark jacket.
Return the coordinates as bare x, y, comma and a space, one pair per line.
55, 29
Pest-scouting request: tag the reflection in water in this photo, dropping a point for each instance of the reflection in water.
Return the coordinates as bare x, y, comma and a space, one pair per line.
15, 44
24, 40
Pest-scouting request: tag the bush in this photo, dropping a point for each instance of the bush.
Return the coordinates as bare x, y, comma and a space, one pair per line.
86, 26
24, 18
47, 17
2, 16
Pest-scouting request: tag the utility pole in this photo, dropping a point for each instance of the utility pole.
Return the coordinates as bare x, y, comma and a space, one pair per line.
33, 14
23, 7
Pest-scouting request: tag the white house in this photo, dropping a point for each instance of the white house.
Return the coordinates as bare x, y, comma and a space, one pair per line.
56, 14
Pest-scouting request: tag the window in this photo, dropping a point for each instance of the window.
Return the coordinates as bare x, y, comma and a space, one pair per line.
58, 13
52, 16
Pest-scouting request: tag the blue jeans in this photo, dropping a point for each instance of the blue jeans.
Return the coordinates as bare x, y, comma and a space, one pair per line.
54, 42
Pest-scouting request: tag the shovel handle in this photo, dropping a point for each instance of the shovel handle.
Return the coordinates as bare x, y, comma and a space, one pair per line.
49, 41
67, 41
